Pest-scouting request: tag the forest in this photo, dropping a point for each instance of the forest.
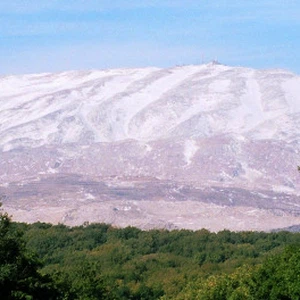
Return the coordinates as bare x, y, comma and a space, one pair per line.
99, 261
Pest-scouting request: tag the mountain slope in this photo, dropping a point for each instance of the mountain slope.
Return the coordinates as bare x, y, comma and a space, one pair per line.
177, 134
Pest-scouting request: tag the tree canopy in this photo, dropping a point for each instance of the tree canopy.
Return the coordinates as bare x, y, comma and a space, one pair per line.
99, 261
19, 276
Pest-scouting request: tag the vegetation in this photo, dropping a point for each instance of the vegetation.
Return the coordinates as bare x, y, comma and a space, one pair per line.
276, 278
98, 261
19, 276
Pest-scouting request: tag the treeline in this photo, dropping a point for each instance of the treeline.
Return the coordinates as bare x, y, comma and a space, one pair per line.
98, 261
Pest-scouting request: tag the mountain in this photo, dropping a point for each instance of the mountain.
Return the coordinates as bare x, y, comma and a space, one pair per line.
186, 147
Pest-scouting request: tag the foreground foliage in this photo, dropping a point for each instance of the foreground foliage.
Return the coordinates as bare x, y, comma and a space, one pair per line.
98, 261
19, 276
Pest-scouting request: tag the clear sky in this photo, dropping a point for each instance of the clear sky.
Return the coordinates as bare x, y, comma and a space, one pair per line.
57, 35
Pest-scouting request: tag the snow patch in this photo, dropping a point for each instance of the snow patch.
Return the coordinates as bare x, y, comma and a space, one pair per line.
292, 92
89, 196
190, 149
283, 189
220, 86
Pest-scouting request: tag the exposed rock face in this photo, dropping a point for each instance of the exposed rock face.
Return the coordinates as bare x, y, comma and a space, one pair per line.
194, 146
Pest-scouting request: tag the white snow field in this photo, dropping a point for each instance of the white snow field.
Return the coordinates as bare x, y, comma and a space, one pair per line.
146, 104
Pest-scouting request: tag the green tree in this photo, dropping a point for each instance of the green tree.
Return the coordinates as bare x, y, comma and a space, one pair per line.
19, 276
278, 278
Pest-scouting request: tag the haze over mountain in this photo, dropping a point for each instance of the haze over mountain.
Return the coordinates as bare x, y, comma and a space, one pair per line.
190, 146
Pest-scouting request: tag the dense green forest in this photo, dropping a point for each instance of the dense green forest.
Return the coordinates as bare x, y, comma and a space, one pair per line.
98, 261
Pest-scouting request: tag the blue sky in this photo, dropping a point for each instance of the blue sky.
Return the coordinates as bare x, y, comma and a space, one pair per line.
57, 35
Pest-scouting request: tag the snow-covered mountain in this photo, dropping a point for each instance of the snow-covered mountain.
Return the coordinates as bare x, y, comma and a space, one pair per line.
148, 104
194, 129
